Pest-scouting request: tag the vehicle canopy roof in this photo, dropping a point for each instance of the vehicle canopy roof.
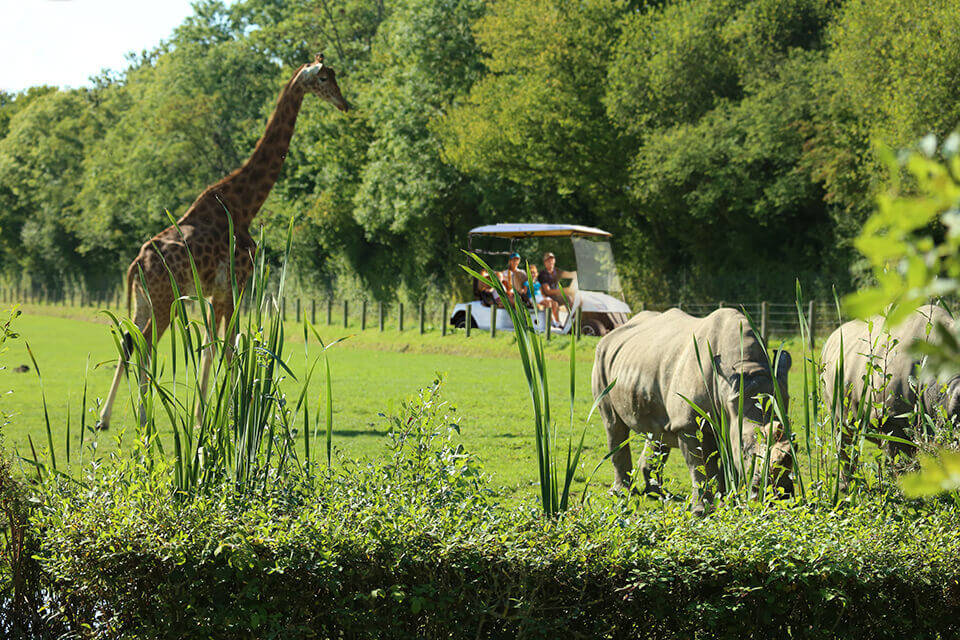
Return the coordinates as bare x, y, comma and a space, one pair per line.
537, 230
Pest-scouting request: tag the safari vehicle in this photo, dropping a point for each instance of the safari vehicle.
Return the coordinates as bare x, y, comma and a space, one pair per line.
594, 286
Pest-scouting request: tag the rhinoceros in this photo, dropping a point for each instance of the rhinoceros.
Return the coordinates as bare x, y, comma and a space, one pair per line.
896, 380
654, 362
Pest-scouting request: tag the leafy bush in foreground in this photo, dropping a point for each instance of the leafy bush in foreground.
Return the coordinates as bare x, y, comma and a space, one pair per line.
415, 546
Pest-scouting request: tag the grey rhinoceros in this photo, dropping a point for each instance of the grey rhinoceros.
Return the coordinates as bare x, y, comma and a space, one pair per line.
654, 362
897, 383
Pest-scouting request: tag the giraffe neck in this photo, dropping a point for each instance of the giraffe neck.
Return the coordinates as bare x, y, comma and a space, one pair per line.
249, 186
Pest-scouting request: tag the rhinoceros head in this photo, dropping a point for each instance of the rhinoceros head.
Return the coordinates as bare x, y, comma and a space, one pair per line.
942, 400
759, 430
951, 402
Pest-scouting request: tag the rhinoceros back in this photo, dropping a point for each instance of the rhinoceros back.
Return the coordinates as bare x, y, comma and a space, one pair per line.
861, 342
654, 361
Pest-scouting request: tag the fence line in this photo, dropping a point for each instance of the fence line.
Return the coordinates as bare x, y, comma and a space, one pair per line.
774, 319
780, 319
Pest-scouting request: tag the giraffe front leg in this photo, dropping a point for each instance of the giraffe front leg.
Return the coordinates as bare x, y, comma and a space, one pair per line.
103, 422
224, 311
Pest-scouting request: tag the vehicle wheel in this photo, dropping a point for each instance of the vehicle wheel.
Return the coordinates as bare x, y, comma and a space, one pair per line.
593, 328
459, 320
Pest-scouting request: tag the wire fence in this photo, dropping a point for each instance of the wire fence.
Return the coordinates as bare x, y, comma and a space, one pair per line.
775, 319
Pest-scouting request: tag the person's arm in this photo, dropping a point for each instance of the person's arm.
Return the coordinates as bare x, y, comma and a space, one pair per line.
545, 287
520, 282
507, 282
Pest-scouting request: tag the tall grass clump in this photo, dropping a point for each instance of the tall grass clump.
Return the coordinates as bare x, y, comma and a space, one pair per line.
555, 481
24, 586
245, 428
827, 440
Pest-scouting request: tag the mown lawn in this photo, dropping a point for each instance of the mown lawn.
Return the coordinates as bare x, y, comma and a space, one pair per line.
373, 373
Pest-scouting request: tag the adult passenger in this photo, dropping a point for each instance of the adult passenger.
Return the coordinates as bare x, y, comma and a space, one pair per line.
549, 280
518, 278
542, 301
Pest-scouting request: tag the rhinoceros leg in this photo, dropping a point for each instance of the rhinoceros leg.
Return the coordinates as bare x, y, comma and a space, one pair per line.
844, 456
652, 461
617, 434
700, 453
897, 427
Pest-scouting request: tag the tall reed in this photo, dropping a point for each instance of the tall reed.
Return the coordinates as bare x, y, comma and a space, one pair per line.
243, 429
555, 482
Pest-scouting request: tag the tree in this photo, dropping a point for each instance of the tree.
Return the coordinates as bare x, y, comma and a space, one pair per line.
379, 201
537, 117
897, 66
176, 126
41, 169
718, 96
891, 78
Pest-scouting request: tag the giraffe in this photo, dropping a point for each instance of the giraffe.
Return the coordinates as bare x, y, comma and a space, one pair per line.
203, 230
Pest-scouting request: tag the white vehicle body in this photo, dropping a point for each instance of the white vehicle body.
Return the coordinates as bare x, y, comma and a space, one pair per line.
601, 305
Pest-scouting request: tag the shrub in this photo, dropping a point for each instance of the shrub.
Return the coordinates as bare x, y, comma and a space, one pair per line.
21, 580
414, 546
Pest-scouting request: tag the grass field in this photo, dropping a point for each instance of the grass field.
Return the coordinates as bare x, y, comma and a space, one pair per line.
373, 372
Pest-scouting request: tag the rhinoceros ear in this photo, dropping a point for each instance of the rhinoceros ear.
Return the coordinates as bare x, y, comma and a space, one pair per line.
781, 365
718, 366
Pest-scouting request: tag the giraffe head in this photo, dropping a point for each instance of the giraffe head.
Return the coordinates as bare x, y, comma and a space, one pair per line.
320, 80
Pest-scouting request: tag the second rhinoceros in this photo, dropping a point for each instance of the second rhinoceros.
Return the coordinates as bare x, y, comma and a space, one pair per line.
896, 383
657, 370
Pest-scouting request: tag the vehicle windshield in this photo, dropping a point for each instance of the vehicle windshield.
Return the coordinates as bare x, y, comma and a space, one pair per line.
596, 270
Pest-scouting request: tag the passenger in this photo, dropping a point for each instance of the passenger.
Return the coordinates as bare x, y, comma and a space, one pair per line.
550, 280
518, 279
507, 283
543, 302
485, 292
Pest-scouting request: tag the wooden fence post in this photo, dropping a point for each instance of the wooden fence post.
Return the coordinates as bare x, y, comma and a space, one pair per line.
443, 319
812, 323
764, 314
493, 321
313, 311
467, 322
380, 314
363, 315
422, 325
399, 316
329, 311
346, 316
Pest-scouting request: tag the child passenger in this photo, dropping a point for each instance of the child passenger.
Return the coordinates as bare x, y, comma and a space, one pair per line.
542, 301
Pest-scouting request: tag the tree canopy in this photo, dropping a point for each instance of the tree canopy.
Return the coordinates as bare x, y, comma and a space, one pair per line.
730, 146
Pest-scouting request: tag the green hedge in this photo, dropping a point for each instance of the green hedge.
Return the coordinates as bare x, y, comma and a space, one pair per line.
375, 552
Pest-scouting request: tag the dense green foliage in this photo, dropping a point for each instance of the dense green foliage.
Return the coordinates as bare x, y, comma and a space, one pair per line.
728, 145
416, 546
